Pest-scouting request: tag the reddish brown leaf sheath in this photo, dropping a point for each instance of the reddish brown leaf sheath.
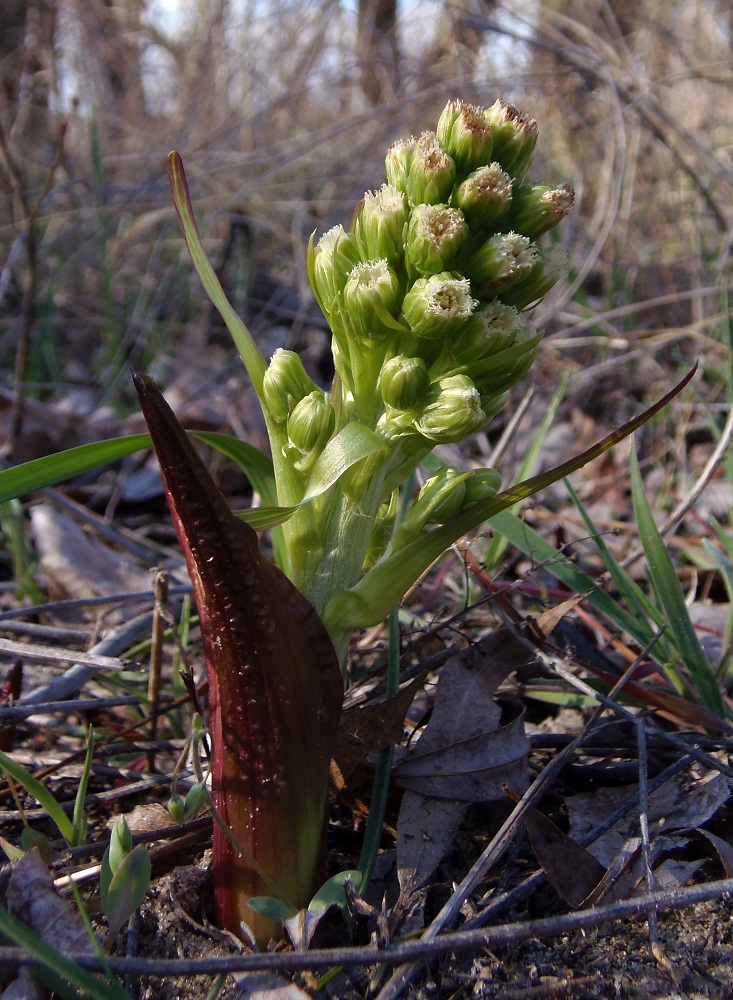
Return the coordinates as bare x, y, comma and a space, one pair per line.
275, 687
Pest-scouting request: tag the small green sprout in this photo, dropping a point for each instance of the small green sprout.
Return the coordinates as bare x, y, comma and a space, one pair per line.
123, 879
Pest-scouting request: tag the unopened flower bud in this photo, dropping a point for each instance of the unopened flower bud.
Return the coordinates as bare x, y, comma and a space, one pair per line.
435, 234
333, 258
550, 266
485, 195
371, 298
537, 209
441, 497
403, 382
465, 135
176, 808
398, 161
439, 305
285, 383
432, 173
453, 410
498, 371
195, 798
515, 136
311, 424
492, 328
503, 260
482, 484
380, 223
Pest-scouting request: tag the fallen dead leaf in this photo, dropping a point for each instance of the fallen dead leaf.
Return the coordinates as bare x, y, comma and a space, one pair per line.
367, 728
687, 800
267, 986
570, 868
31, 898
469, 750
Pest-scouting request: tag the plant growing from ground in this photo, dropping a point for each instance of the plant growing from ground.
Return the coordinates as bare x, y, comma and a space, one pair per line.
425, 296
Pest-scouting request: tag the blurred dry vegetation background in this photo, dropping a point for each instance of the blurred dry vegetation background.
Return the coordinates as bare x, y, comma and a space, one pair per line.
282, 113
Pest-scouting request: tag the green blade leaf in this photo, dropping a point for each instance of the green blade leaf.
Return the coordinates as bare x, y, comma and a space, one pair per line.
79, 822
52, 469
274, 909
669, 593
371, 600
253, 360
41, 794
333, 892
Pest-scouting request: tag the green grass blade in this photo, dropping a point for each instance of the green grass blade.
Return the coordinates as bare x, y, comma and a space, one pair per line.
671, 599
41, 794
51, 959
635, 598
52, 469
637, 601
79, 820
527, 540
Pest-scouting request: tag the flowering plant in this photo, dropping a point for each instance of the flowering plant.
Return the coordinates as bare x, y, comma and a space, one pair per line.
425, 296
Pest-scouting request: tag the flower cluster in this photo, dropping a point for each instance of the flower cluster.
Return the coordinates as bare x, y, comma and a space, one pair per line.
424, 292
425, 295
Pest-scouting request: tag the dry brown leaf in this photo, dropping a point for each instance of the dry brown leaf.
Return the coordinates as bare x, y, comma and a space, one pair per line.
426, 828
464, 755
686, 800
31, 897
723, 848
368, 728
572, 870
267, 986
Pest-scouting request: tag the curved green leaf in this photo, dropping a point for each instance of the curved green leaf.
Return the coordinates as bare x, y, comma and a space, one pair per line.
41, 794
273, 909
253, 360
52, 469
333, 892
256, 466
372, 599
